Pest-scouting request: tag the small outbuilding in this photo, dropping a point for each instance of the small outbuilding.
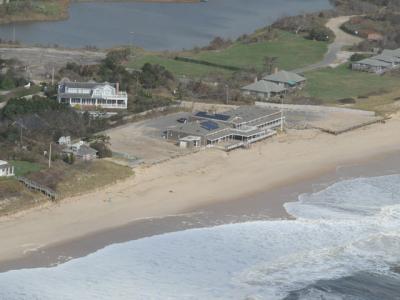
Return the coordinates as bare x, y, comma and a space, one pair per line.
190, 141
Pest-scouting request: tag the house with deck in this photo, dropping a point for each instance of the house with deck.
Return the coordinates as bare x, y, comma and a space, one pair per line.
6, 169
379, 64
286, 79
372, 66
264, 90
92, 95
234, 128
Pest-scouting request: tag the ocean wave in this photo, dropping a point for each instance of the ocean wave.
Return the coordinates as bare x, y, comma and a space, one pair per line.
348, 228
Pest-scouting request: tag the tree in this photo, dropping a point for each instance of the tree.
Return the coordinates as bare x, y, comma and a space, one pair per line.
153, 76
320, 34
102, 149
69, 158
269, 63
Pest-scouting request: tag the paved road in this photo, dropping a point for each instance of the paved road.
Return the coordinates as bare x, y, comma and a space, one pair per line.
335, 55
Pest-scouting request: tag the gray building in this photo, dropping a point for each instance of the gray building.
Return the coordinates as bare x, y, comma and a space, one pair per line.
372, 66
264, 90
81, 151
245, 116
231, 129
288, 80
379, 64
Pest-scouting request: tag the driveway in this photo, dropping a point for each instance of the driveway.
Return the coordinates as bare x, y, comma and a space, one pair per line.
335, 55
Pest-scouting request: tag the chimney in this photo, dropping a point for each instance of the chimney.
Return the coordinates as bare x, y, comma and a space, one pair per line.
276, 70
117, 87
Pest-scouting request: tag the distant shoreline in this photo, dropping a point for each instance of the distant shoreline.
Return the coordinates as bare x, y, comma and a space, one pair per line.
64, 7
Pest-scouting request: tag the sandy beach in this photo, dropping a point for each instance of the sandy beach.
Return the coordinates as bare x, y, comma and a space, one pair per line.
192, 182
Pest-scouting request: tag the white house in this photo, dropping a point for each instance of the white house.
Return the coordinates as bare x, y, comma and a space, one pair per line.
6, 170
105, 95
64, 140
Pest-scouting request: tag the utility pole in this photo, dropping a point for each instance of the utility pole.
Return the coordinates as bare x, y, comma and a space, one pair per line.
52, 76
20, 137
13, 34
227, 93
50, 157
137, 83
282, 119
131, 43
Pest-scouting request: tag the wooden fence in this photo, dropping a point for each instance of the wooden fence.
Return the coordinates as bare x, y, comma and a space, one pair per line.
38, 187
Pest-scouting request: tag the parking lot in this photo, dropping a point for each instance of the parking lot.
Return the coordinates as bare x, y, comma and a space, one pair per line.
144, 142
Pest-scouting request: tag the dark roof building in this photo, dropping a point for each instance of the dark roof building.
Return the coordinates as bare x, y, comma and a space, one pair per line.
286, 79
263, 90
379, 64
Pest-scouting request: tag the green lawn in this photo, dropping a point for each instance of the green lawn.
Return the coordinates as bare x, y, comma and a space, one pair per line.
23, 168
20, 92
333, 84
293, 52
178, 68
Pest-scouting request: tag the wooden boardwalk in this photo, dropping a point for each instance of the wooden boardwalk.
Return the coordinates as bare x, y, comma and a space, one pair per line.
38, 187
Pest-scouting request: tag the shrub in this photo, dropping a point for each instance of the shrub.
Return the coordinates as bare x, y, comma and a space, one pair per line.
102, 149
320, 34
154, 76
347, 101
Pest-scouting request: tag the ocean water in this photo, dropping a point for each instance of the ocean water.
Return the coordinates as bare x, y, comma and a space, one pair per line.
343, 244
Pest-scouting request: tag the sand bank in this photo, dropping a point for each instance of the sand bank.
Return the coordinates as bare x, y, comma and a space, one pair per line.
187, 183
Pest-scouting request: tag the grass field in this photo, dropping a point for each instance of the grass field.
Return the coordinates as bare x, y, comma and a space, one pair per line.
20, 92
292, 51
40, 10
178, 68
384, 104
333, 84
23, 168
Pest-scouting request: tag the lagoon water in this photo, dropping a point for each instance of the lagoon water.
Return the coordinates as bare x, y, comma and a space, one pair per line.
343, 244
157, 26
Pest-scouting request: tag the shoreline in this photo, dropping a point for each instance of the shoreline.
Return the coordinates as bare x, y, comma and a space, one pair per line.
210, 181
65, 6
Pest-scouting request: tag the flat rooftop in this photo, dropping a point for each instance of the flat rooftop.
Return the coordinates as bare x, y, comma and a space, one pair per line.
201, 128
242, 114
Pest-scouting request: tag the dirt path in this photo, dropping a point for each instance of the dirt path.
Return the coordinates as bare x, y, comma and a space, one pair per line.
335, 55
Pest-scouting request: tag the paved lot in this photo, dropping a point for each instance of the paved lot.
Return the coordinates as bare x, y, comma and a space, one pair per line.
143, 140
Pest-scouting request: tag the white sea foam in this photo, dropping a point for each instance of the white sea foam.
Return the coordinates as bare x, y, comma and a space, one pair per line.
350, 226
